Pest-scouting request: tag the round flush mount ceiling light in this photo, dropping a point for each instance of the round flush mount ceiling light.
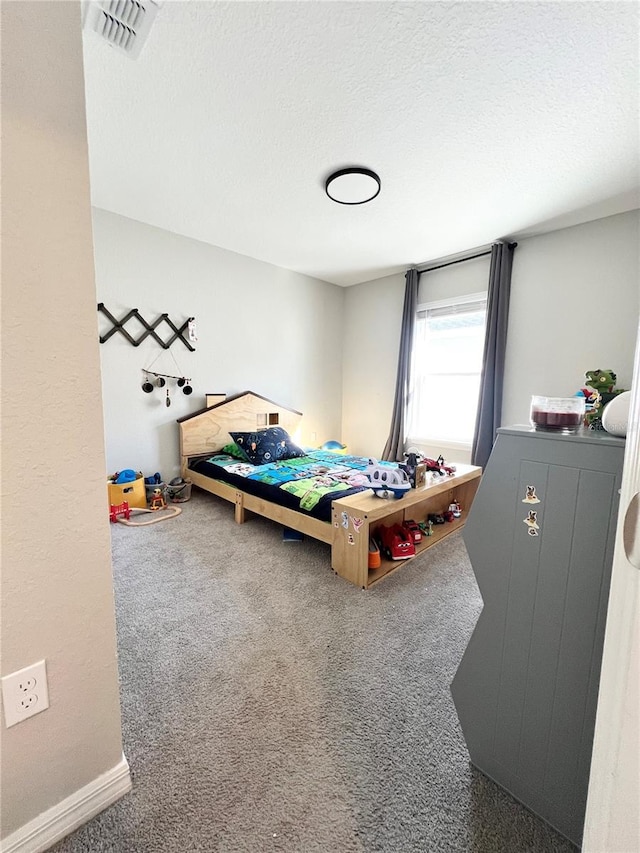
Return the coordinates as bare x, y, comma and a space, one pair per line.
354, 185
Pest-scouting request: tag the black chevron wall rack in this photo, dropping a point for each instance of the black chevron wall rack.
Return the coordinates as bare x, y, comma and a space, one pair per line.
180, 333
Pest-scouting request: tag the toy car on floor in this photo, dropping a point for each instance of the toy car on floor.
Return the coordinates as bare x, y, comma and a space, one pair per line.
396, 542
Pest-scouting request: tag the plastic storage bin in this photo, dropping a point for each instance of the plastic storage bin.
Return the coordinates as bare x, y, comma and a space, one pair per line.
179, 492
133, 493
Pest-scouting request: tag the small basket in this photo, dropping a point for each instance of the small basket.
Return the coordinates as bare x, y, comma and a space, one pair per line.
179, 493
151, 487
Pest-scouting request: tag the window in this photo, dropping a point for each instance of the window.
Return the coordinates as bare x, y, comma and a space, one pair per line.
446, 368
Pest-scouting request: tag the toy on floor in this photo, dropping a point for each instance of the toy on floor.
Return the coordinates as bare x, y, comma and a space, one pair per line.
157, 515
157, 500
116, 510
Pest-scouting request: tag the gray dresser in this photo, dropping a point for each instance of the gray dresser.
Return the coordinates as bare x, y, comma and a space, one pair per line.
540, 537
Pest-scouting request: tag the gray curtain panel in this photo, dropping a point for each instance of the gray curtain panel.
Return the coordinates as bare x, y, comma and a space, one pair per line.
495, 344
394, 448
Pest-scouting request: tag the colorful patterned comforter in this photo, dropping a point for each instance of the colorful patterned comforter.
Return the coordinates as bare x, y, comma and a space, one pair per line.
309, 482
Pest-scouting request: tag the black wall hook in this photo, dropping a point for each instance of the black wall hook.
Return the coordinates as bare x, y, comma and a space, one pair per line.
118, 326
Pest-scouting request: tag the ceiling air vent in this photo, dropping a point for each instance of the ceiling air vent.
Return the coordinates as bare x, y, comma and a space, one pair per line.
124, 24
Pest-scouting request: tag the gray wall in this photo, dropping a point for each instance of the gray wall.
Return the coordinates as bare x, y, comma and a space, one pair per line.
574, 307
260, 328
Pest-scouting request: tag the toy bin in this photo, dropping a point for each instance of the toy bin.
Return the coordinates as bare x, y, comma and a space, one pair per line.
179, 492
150, 489
133, 493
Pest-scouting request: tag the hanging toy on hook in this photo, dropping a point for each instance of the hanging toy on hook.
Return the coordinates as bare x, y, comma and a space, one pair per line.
153, 380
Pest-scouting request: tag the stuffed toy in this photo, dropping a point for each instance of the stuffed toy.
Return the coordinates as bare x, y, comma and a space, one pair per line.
601, 390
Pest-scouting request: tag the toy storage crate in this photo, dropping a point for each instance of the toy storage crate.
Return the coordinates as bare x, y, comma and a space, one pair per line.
133, 493
150, 489
179, 493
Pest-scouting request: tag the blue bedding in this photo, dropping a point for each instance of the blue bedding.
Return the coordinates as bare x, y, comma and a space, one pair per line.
307, 484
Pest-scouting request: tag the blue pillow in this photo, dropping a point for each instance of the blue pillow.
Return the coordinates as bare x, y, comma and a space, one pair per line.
267, 445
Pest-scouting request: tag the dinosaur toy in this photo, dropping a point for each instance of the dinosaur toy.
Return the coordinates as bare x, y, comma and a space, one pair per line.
601, 383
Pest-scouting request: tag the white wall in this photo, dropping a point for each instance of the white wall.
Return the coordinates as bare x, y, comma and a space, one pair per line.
372, 318
57, 597
260, 328
574, 307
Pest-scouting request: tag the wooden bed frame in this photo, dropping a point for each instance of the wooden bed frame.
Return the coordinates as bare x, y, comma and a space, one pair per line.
354, 518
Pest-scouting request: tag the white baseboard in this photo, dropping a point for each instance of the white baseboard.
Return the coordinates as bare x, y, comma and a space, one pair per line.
49, 827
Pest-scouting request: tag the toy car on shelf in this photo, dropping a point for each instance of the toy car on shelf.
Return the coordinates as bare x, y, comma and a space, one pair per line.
414, 530
396, 542
436, 518
455, 509
438, 466
374, 554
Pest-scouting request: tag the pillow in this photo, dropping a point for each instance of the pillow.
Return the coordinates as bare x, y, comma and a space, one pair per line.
233, 449
267, 445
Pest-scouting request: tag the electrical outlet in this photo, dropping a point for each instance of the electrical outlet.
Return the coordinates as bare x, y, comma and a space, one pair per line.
25, 693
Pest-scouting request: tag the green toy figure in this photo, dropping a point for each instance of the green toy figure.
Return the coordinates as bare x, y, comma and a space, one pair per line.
602, 382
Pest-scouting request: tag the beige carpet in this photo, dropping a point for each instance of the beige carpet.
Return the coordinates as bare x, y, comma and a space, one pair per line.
270, 706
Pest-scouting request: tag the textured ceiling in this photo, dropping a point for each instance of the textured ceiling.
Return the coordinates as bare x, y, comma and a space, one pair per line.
484, 120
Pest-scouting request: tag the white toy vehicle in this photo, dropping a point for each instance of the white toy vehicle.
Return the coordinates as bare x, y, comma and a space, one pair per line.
386, 480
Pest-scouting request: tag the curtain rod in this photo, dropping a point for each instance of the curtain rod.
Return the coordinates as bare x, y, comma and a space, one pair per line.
460, 260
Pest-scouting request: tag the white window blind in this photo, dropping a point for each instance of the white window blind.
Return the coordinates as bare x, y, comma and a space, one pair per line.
446, 368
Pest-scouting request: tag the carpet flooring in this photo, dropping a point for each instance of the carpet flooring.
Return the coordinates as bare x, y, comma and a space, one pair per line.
268, 705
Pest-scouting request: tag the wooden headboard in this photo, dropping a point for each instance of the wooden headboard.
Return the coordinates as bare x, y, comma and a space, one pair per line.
207, 431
